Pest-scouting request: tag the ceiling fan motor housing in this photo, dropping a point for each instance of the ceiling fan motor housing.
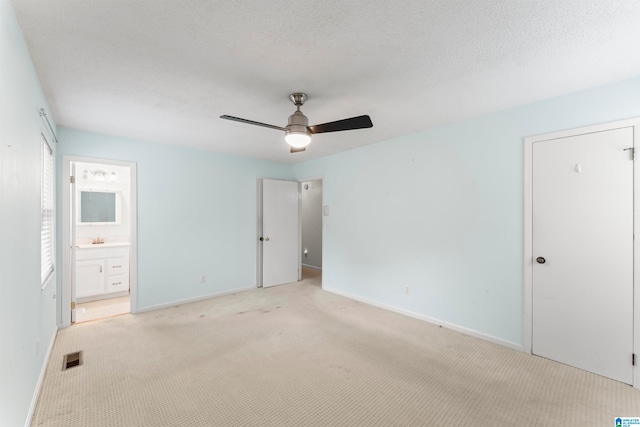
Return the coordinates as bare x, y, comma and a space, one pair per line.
298, 123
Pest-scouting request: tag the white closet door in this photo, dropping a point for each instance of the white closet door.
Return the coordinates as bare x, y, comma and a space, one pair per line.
583, 252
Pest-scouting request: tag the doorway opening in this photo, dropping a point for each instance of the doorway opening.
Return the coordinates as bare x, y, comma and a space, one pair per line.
102, 240
311, 228
289, 232
99, 230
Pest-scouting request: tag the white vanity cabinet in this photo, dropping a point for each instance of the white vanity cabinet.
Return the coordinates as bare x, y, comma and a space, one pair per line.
102, 272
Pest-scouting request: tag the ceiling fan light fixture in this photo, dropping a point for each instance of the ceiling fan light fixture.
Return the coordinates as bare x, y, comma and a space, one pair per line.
297, 139
298, 132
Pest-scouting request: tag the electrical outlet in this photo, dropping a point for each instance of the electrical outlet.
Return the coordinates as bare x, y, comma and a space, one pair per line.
203, 279
407, 290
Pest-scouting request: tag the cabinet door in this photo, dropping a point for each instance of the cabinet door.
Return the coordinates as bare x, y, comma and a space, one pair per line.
89, 278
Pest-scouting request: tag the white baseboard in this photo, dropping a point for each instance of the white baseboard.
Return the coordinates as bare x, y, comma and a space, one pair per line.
312, 266
462, 329
36, 393
194, 299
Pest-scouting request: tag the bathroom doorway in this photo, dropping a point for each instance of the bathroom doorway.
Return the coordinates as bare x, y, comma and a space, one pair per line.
99, 230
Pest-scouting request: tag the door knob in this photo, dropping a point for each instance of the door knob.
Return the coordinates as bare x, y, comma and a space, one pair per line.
540, 260
264, 239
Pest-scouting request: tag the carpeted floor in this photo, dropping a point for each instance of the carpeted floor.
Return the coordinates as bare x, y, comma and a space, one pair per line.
293, 355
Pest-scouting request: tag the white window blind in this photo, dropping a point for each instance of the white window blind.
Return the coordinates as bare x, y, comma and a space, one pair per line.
46, 207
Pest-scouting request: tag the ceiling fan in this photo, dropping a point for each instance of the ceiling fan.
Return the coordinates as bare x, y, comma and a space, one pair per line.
298, 132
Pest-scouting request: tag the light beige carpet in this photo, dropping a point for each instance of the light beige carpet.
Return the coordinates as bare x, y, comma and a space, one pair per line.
293, 355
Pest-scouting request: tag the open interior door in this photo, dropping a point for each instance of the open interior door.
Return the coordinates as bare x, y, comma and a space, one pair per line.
280, 237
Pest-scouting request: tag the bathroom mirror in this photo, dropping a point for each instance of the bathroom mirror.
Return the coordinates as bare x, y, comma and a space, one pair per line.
98, 207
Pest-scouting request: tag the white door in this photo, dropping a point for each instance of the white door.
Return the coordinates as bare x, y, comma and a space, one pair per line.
280, 232
583, 252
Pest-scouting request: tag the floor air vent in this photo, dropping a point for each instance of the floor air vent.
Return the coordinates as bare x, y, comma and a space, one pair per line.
71, 360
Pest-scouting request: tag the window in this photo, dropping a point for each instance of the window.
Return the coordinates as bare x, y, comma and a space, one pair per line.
46, 209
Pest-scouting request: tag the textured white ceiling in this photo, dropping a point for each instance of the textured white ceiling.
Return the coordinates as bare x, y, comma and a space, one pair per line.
165, 71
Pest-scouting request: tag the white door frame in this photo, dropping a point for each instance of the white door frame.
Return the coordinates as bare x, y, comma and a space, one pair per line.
528, 225
65, 287
72, 254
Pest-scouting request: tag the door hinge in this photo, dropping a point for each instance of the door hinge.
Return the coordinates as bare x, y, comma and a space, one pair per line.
633, 152
72, 179
633, 359
73, 305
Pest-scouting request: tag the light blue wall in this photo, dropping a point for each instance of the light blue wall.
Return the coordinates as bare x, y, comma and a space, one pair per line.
196, 214
27, 313
441, 211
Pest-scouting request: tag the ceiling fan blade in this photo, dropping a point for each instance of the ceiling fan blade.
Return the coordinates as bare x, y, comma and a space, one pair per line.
297, 150
251, 122
359, 122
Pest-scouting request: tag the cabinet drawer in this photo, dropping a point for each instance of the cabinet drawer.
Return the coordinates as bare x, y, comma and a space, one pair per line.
118, 265
117, 283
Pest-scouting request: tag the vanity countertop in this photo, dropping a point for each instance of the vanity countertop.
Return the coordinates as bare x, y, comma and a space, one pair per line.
101, 245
